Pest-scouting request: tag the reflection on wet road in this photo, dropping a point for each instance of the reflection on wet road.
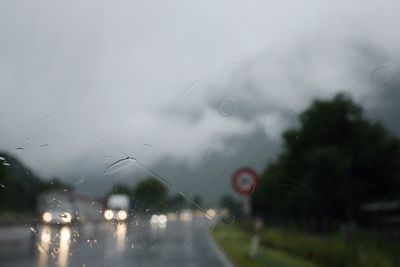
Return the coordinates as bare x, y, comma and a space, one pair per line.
120, 236
63, 250
139, 243
44, 246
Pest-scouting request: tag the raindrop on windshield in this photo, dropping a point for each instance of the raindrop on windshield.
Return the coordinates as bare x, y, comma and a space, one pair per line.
180, 192
228, 219
79, 181
146, 146
46, 118
6, 164
212, 227
380, 77
145, 149
234, 74
107, 159
1, 158
227, 106
210, 154
119, 165
19, 148
252, 188
226, 153
2, 185
189, 89
44, 145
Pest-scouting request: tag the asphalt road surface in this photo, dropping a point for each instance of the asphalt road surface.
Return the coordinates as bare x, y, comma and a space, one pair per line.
138, 243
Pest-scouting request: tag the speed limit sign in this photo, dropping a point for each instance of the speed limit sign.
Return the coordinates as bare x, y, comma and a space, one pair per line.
245, 181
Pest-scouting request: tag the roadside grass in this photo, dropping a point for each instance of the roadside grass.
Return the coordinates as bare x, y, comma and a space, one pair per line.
334, 250
280, 247
13, 217
235, 242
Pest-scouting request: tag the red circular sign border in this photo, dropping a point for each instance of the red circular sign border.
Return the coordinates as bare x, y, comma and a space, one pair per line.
252, 174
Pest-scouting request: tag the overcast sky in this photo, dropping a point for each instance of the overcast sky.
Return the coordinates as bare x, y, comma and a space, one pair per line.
191, 89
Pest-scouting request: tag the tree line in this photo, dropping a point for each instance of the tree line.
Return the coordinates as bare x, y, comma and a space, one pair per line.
20, 186
151, 194
333, 163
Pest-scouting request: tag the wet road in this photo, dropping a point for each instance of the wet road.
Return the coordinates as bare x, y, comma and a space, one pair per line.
138, 243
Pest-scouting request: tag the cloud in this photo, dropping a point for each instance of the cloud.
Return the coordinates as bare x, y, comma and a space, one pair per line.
170, 82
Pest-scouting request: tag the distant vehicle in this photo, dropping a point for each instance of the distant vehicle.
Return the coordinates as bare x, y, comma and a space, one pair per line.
56, 207
117, 208
159, 219
186, 215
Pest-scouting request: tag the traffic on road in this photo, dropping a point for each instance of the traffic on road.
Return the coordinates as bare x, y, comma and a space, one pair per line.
156, 240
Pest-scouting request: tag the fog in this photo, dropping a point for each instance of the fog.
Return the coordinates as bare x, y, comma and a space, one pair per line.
192, 90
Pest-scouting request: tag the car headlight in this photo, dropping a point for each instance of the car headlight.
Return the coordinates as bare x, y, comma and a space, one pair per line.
66, 217
154, 219
162, 219
211, 213
47, 217
122, 215
186, 217
108, 214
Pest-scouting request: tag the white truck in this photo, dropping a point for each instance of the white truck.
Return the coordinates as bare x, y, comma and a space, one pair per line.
117, 207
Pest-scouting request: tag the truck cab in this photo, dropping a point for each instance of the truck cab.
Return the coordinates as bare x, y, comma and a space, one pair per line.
117, 208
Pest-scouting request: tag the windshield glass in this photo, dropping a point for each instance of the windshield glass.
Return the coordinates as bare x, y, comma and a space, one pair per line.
209, 133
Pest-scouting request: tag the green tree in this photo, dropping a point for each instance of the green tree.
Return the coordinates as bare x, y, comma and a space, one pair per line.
334, 162
20, 187
121, 189
176, 202
150, 194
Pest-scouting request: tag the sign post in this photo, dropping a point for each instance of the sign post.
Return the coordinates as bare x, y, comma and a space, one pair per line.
245, 182
255, 239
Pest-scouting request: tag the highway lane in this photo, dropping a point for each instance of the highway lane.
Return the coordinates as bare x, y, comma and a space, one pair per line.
138, 243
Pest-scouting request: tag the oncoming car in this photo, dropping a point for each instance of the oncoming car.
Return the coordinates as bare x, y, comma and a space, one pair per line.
57, 217
56, 208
